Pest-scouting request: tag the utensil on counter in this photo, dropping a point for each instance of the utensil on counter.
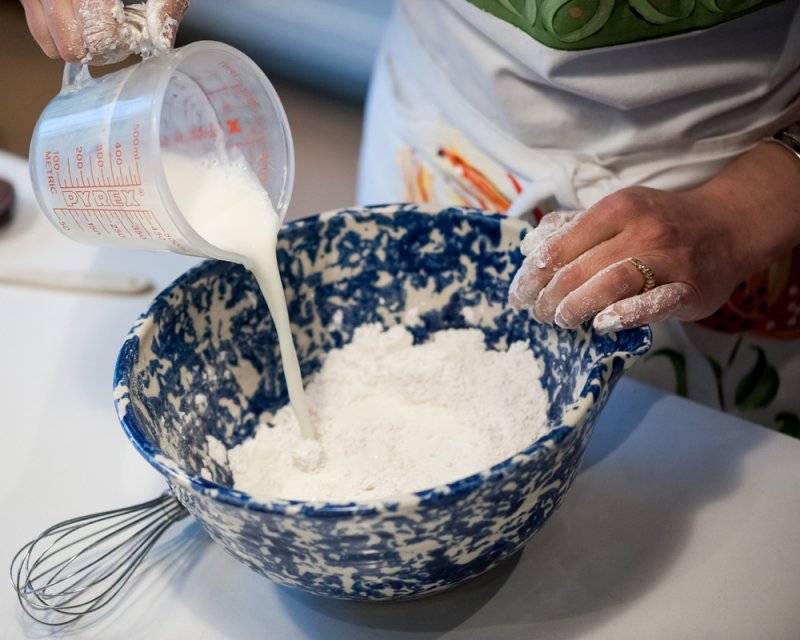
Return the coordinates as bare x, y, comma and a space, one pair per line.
79, 565
77, 281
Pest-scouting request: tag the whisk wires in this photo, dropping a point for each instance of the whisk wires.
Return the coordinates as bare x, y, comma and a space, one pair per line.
78, 566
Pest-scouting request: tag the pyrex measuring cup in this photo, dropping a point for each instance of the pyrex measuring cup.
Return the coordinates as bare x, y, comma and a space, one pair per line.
95, 157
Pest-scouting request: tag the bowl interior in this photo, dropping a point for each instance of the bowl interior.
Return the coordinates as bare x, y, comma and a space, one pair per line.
204, 360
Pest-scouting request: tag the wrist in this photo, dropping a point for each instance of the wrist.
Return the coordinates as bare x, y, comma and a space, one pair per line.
757, 199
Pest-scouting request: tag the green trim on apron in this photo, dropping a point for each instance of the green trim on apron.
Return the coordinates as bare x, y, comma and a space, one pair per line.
589, 24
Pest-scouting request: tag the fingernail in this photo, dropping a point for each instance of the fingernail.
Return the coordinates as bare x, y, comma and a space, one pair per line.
514, 302
537, 307
562, 321
536, 316
607, 321
541, 257
571, 320
524, 286
558, 316
531, 242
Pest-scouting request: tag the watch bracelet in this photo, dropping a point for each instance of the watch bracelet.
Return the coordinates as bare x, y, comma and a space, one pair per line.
788, 138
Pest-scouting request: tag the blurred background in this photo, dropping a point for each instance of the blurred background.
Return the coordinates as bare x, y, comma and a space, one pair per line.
317, 53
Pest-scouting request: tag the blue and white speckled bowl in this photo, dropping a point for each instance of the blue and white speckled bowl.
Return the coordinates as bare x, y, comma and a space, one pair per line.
204, 360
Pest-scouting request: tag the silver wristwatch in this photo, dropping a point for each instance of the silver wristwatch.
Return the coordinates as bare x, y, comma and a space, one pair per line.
788, 138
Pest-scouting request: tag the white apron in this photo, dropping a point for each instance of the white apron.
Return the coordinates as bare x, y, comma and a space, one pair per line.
466, 109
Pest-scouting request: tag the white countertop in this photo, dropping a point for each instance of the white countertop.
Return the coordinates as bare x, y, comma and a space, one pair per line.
683, 523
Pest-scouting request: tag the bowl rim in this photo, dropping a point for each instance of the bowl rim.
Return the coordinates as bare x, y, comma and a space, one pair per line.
559, 436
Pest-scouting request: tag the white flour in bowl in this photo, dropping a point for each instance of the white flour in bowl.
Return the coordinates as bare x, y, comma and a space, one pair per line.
393, 417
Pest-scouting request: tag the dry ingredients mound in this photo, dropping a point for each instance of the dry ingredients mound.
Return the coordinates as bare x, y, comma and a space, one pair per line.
394, 417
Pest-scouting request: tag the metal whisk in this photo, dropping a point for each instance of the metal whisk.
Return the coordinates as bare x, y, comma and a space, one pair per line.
79, 565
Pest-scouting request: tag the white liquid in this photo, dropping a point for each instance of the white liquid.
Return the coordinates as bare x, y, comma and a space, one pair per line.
229, 208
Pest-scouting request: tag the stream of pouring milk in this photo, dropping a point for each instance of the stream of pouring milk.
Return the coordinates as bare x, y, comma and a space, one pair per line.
227, 205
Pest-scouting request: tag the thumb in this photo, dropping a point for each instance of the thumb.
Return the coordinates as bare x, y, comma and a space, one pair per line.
101, 27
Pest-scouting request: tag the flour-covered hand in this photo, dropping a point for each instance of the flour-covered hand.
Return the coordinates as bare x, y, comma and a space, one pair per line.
101, 31
529, 280
699, 244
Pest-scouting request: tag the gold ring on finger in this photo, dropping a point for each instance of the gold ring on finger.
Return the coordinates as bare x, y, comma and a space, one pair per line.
647, 273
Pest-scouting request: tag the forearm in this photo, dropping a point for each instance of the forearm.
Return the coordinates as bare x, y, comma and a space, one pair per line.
761, 192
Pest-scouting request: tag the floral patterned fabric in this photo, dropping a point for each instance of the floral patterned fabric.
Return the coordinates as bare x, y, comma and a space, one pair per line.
584, 24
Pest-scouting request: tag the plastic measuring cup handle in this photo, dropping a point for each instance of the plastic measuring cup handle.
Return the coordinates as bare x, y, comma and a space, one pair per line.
76, 74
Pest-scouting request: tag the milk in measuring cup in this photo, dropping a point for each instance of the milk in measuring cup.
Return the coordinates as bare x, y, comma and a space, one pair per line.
95, 152
181, 153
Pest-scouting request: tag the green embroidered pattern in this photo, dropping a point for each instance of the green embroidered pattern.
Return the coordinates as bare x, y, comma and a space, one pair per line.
587, 24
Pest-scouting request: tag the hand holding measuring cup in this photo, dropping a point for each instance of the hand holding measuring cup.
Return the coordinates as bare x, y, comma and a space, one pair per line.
102, 31
97, 153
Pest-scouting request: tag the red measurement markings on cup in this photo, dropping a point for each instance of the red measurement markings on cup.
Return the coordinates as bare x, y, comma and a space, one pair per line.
107, 222
193, 134
137, 225
95, 167
244, 125
98, 191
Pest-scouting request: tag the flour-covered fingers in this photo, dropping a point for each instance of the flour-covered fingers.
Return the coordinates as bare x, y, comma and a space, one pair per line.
37, 23
163, 19
566, 243
64, 29
102, 31
547, 225
113, 32
652, 306
600, 276
686, 245
529, 279
103, 26
527, 282
616, 282
571, 240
